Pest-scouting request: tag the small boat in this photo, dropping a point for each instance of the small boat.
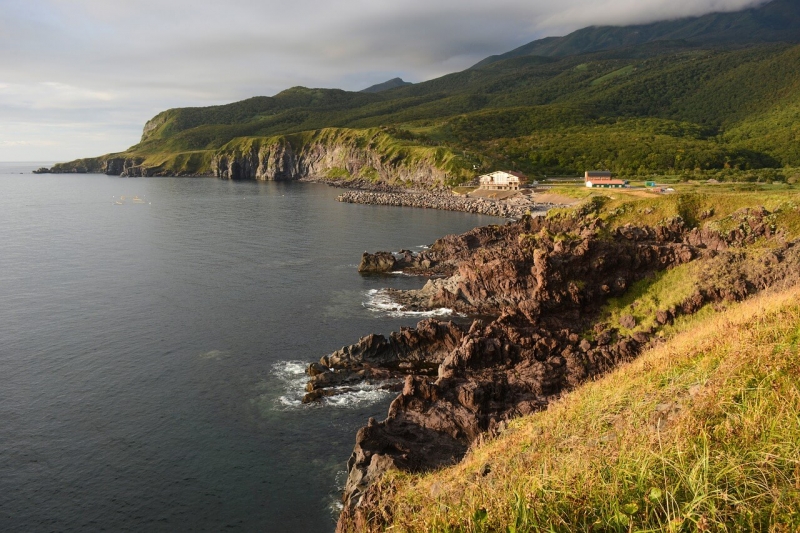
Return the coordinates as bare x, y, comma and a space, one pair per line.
137, 200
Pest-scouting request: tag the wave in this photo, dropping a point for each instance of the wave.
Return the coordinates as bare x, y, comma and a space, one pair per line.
379, 301
293, 376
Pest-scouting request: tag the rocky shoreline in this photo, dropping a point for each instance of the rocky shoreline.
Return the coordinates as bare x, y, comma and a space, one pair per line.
513, 208
541, 282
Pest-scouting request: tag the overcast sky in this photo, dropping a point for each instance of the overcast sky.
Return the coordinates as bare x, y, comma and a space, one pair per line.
79, 78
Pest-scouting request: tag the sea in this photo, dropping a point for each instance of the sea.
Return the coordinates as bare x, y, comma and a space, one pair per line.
154, 334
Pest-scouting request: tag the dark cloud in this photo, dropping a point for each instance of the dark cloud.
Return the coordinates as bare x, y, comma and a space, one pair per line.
75, 63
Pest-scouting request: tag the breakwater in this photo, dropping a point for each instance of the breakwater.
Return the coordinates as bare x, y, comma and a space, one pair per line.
514, 208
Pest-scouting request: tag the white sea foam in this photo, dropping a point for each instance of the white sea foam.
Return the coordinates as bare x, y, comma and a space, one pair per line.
290, 368
215, 354
379, 301
335, 505
293, 376
359, 395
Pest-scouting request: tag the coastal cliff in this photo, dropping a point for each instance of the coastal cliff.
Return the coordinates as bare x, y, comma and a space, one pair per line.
544, 283
351, 157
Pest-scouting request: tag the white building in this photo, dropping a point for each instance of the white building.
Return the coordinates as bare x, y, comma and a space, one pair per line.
602, 178
502, 181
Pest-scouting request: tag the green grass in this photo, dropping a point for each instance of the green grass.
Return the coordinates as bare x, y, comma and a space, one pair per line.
338, 173
665, 289
624, 71
697, 206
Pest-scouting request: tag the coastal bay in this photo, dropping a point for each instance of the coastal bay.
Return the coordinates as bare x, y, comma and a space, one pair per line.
154, 352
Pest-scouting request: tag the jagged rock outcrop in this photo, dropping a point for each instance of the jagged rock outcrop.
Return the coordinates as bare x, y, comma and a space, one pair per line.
382, 262
544, 279
374, 357
377, 263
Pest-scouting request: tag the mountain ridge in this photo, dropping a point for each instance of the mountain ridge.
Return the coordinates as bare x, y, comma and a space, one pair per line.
387, 85
774, 21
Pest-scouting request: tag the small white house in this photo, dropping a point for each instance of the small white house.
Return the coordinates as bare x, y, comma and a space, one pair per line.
502, 181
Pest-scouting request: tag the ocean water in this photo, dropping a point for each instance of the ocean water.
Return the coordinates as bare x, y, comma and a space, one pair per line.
153, 337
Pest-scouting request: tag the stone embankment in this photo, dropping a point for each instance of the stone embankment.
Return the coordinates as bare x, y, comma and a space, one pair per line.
513, 208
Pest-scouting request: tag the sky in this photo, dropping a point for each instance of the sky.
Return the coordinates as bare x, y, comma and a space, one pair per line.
79, 78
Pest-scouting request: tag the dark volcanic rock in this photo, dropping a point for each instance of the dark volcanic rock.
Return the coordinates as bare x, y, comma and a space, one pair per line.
375, 358
379, 262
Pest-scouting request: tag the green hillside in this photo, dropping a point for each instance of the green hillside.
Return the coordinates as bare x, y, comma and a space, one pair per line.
659, 106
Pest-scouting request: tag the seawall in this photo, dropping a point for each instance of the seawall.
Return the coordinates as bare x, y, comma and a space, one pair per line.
515, 208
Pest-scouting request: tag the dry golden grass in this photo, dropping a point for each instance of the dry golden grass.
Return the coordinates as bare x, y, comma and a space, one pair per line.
699, 434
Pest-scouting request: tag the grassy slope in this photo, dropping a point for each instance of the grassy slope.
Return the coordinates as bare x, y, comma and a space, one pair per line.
699, 434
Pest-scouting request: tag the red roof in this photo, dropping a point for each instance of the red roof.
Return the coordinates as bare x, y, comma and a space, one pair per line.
606, 181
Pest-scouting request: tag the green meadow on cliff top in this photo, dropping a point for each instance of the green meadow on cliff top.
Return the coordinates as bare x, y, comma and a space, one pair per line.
719, 94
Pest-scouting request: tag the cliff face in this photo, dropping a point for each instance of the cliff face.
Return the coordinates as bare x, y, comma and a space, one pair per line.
280, 161
337, 155
152, 125
115, 165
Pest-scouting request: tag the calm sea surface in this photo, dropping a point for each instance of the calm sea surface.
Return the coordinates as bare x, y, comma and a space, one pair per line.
151, 350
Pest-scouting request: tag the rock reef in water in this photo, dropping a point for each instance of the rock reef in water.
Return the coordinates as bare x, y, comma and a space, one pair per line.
544, 281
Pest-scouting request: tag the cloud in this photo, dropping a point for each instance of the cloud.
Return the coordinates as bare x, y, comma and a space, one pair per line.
25, 143
94, 62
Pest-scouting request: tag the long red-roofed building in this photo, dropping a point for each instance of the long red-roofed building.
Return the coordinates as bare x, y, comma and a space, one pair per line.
602, 178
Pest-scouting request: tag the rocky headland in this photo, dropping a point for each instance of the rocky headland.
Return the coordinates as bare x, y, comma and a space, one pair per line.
538, 283
337, 155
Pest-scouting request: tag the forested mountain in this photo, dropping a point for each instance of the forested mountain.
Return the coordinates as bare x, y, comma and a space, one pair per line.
774, 22
634, 100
